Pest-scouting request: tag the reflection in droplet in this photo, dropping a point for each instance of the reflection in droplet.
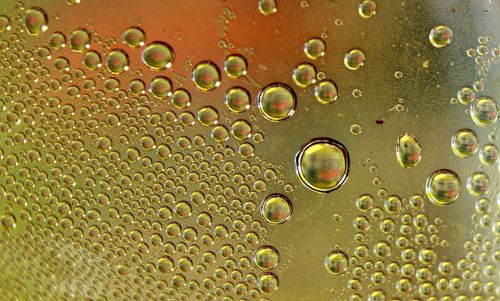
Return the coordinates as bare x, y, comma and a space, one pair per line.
208, 116
160, 87
466, 95
79, 40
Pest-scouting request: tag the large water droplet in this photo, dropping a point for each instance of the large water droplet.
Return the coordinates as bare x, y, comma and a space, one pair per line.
443, 187
322, 164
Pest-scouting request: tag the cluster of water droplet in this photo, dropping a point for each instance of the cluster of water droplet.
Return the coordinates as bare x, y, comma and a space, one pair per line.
115, 183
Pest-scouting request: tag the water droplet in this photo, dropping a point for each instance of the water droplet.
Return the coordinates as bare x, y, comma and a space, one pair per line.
484, 111
266, 258
354, 59
325, 91
268, 283
137, 87
440, 36
304, 75
367, 9
158, 55
267, 7
134, 37
4, 23
160, 87
277, 102
322, 164
408, 151
181, 98
237, 99
220, 133
336, 262
36, 21
246, 150
92, 60
276, 209
57, 40
241, 129
478, 184
466, 95
364, 202
314, 48
117, 61
208, 116
235, 65
206, 76
79, 40
488, 154
464, 143
443, 187
357, 93
355, 129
